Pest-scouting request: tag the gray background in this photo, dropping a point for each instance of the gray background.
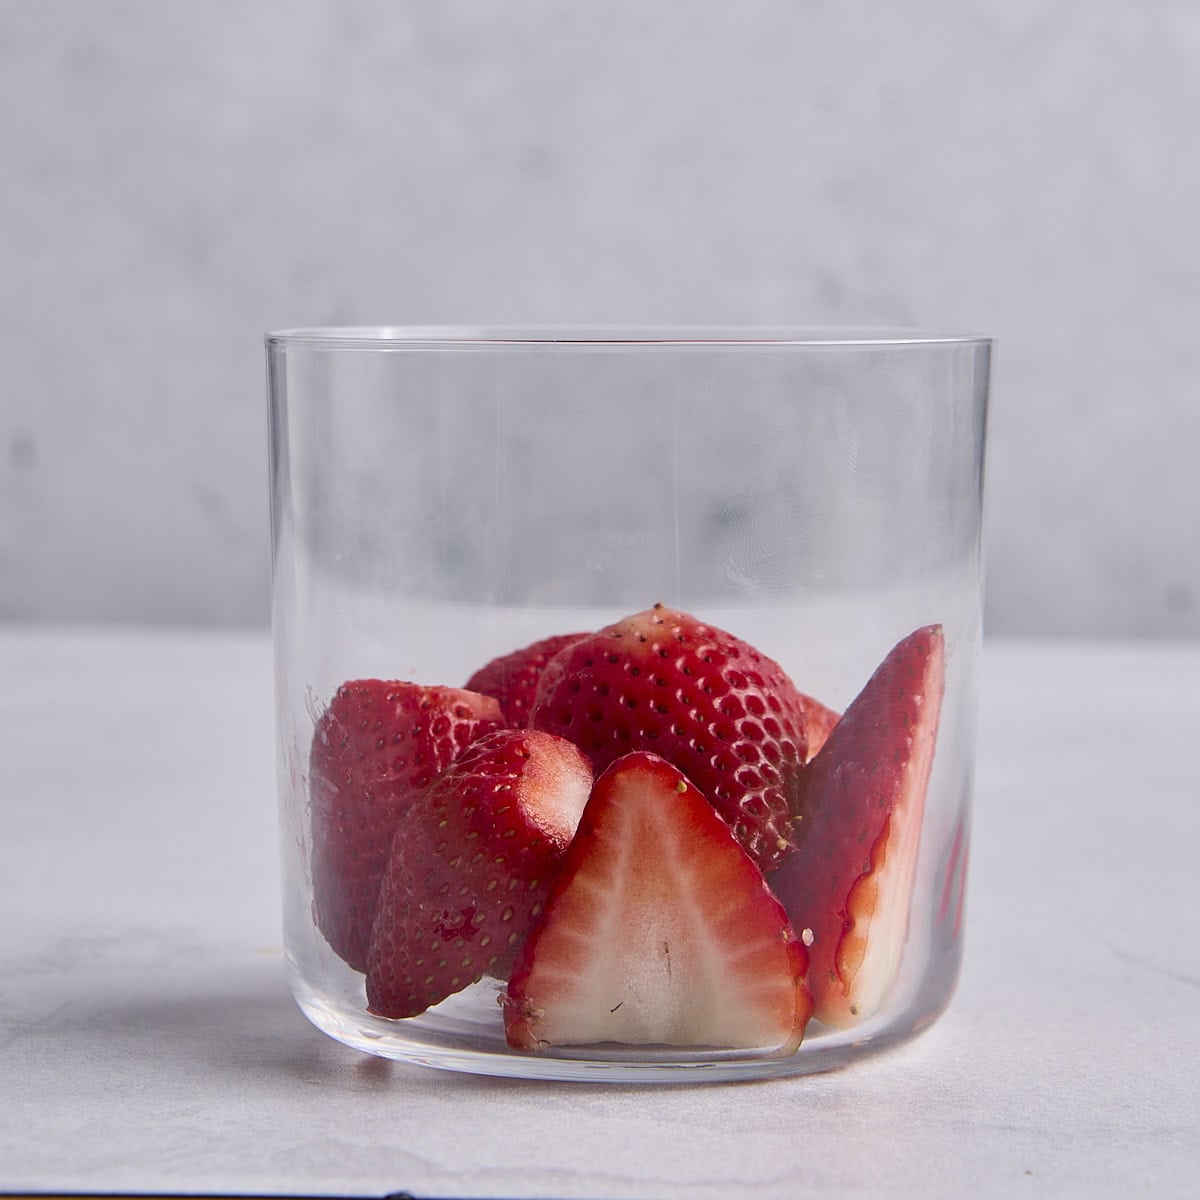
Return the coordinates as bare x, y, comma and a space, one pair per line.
180, 176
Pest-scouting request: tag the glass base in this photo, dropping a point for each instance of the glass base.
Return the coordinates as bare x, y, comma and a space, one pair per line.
455, 1037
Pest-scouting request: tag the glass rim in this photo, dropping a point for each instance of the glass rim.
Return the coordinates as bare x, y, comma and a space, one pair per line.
432, 337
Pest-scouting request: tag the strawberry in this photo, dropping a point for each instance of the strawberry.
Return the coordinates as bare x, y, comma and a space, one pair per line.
471, 867
819, 723
377, 745
513, 678
658, 931
861, 801
726, 715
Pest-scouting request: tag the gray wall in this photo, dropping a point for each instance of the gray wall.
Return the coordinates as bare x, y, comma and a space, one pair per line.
180, 176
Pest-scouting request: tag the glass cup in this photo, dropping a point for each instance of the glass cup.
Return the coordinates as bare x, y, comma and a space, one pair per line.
717, 827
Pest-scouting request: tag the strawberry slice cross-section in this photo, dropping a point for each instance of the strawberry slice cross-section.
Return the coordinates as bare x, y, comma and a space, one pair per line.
860, 804
659, 931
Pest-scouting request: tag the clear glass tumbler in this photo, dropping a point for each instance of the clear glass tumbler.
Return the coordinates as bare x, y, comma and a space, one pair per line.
625, 691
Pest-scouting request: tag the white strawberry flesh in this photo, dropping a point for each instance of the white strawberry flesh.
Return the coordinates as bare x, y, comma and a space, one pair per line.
659, 931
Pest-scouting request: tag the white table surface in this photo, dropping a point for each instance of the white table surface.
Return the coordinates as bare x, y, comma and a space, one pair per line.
148, 1040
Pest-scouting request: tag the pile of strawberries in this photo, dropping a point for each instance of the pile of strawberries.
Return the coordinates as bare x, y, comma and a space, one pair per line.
648, 831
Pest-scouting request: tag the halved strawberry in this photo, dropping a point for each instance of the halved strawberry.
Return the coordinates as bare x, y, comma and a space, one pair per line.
659, 931
471, 866
860, 803
725, 714
377, 745
513, 678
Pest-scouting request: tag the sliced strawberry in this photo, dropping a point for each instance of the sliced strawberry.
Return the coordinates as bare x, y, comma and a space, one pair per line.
861, 801
513, 678
471, 867
726, 715
377, 745
659, 931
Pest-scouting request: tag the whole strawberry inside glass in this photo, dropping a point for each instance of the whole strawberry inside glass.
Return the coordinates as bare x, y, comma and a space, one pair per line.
625, 691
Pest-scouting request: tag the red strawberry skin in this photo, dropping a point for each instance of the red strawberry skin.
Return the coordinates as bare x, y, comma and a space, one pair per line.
471, 867
723, 713
513, 678
374, 749
861, 802
819, 723
659, 930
